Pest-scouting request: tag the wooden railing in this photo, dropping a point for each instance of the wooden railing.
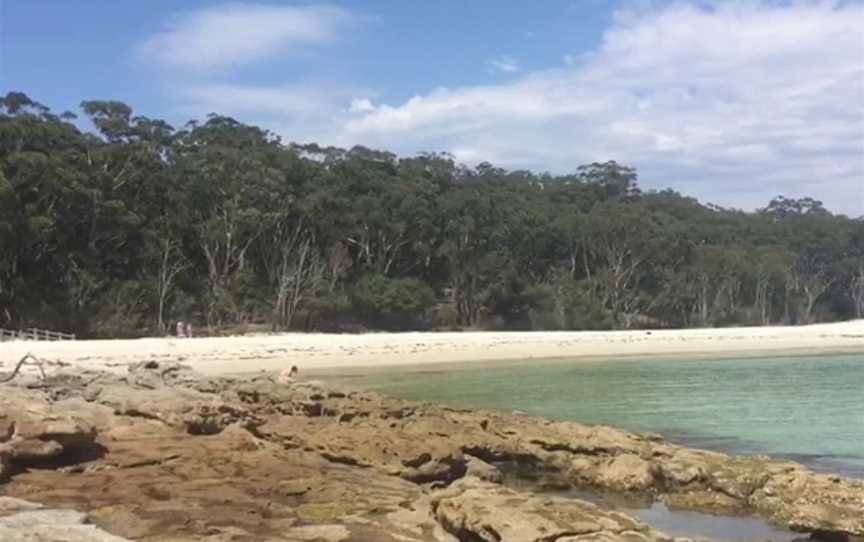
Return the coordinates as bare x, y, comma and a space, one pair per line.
34, 334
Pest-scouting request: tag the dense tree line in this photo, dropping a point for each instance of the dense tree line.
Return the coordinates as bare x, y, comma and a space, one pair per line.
122, 230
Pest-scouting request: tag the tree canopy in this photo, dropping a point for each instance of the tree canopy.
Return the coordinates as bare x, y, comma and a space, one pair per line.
122, 231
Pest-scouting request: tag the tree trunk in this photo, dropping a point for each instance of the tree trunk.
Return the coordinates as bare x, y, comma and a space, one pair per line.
169, 268
856, 290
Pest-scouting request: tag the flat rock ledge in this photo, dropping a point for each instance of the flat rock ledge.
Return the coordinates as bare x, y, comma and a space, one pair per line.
23, 521
163, 454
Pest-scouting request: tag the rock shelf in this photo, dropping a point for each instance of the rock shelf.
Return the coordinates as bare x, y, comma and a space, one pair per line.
163, 453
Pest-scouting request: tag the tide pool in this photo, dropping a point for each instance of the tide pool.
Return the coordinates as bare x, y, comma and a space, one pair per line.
810, 409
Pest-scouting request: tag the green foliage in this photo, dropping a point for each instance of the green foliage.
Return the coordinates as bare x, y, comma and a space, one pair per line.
393, 303
126, 230
567, 305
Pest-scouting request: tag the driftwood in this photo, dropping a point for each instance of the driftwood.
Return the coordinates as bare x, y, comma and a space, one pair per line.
27, 358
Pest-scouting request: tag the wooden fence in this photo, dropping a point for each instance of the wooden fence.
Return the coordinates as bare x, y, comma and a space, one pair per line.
34, 334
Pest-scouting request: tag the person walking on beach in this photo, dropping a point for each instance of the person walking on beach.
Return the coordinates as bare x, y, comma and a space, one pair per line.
181, 330
188, 330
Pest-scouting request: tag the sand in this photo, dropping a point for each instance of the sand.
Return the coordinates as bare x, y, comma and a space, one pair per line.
317, 353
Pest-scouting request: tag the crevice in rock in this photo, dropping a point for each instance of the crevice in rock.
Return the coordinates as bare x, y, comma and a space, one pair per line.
343, 460
575, 450
132, 413
204, 426
565, 534
71, 455
463, 534
833, 536
491, 455
456, 470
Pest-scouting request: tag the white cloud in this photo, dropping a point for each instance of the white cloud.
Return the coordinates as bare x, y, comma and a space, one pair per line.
504, 64
361, 105
300, 112
287, 100
735, 102
236, 33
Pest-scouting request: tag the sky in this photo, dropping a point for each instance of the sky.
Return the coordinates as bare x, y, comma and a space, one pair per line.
733, 102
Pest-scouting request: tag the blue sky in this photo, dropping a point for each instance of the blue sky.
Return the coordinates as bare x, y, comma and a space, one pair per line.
734, 102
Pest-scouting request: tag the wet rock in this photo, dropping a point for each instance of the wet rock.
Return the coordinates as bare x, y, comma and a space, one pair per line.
475, 510
812, 502
679, 475
706, 501
626, 472
478, 468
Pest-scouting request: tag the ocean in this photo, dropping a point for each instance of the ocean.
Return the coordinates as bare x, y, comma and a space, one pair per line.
809, 409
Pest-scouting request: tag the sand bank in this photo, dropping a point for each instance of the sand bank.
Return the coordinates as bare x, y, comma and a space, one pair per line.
322, 353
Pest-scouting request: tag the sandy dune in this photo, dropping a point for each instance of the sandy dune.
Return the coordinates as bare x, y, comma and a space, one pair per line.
322, 353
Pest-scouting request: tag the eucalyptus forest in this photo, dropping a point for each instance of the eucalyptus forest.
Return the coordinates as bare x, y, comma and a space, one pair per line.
129, 225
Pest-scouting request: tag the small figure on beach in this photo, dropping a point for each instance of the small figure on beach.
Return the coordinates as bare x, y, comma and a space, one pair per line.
181, 330
188, 330
288, 375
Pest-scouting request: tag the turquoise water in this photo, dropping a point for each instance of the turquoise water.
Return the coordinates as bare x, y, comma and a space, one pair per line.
810, 409
694, 525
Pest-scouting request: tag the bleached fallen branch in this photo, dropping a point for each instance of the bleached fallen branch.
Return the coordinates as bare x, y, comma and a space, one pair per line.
27, 358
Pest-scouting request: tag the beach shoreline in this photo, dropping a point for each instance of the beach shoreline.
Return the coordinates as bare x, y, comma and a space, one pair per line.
306, 444
307, 460
317, 353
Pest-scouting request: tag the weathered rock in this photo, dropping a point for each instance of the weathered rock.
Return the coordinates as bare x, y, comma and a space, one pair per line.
707, 501
32, 429
186, 452
172, 394
678, 475
196, 412
160, 483
810, 502
44, 525
475, 510
11, 505
153, 374
478, 468
419, 461
626, 472
322, 533
5, 463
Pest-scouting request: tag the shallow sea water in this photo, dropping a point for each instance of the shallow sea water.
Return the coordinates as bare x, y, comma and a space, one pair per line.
809, 409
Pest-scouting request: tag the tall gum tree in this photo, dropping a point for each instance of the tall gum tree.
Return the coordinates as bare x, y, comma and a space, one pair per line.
232, 189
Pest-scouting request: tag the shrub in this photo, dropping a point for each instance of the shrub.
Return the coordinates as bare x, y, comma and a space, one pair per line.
393, 303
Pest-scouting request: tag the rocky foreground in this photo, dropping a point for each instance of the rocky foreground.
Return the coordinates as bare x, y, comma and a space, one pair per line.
163, 454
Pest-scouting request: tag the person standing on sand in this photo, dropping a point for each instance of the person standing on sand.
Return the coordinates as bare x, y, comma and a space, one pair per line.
188, 330
181, 330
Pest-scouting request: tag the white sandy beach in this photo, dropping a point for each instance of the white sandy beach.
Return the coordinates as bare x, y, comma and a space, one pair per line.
327, 353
